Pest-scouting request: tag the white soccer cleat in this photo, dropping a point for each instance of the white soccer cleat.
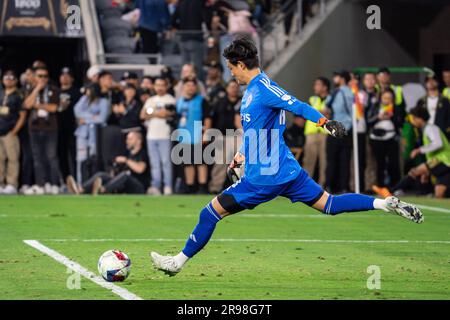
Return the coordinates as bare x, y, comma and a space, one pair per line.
404, 209
9, 189
167, 264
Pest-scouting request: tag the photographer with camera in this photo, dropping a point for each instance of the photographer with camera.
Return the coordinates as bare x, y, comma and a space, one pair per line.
129, 175
127, 110
160, 118
43, 101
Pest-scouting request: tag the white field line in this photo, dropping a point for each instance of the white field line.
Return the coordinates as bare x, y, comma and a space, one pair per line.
121, 292
245, 215
181, 216
437, 209
260, 240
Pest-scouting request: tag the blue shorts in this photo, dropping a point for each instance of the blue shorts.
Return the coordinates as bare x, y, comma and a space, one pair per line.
245, 195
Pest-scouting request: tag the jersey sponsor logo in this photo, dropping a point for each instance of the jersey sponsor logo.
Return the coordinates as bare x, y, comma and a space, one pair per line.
245, 117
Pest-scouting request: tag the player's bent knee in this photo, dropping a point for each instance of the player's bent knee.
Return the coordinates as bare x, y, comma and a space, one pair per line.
321, 202
229, 204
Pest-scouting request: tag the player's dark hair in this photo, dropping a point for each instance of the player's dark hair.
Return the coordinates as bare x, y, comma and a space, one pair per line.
324, 81
420, 112
244, 50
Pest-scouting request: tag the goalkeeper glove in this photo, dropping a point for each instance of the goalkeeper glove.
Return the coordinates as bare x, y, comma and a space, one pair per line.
234, 172
332, 127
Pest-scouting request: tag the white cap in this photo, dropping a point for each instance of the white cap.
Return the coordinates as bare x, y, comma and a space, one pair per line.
93, 71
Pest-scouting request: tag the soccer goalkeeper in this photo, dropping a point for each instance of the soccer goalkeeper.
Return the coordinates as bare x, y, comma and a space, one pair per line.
270, 168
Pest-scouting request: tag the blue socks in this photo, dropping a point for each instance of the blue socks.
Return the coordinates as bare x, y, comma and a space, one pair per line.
209, 217
202, 232
348, 203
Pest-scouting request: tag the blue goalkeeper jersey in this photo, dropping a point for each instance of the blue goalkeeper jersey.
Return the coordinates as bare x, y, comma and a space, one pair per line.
268, 161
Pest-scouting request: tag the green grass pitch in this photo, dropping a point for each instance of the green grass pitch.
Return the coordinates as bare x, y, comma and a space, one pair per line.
258, 254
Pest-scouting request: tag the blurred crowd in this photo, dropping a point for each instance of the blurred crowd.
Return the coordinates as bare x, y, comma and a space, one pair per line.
199, 30
114, 135
392, 143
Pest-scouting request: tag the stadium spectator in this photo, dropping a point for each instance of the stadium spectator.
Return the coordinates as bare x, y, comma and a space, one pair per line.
37, 64
146, 86
110, 91
446, 79
225, 115
212, 42
384, 83
370, 93
294, 136
144, 95
157, 112
215, 89
108, 88
384, 139
166, 73
26, 175
27, 80
92, 74
130, 174
188, 71
130, 78
369, 99
315, 137
237, 19
69, 95
339, 150
154, 19
126, 112
260, 10
43, 102
12, 119
437, 105
188, 19
436, 148
194, 114
91, 110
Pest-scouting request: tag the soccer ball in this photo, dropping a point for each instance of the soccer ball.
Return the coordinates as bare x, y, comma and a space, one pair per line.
114, 265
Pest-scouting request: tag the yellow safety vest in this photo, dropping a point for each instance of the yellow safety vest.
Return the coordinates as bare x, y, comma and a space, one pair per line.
310, 127
443, 154
398, 92
446, 93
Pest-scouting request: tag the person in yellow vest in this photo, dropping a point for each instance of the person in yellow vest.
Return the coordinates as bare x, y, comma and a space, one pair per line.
315, 137
384, 83
446, 78
436, 149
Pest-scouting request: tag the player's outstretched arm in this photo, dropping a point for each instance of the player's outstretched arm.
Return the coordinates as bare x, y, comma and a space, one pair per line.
279, 99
